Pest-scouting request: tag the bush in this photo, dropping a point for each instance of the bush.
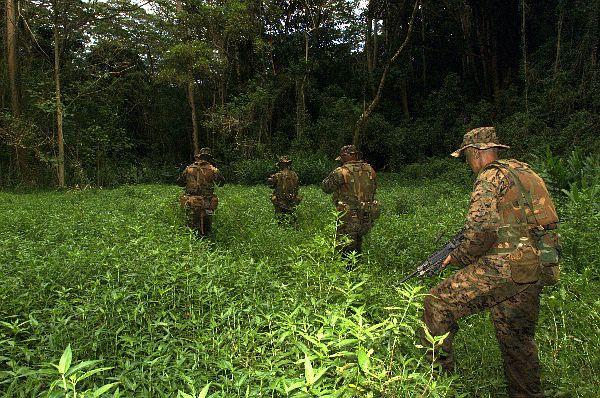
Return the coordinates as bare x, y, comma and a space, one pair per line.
454, 170
311, 169
561, 173
248, 171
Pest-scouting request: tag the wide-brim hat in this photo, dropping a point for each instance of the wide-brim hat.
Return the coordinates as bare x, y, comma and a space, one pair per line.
204, 153
284, 160
480, 138
347, 150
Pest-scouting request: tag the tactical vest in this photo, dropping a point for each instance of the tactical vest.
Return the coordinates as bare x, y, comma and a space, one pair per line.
357, 192
528, 223
199, 179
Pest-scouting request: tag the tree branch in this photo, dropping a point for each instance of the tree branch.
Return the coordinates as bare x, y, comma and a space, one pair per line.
367, 112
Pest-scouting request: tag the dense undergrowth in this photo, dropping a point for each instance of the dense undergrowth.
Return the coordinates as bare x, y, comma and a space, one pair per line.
113, 276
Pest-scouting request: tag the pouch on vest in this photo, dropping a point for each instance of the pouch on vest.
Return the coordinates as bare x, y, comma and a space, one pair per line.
548, 243
524, 263
183, 199
373, 209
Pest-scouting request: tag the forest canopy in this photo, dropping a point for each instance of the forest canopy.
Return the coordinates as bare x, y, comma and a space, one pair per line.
102, 92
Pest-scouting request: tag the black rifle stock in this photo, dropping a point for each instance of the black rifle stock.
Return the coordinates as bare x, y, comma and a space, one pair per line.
433, 264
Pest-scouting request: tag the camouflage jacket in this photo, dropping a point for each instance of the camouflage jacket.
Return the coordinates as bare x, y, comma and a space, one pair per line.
199, 178
352, 184
487, 211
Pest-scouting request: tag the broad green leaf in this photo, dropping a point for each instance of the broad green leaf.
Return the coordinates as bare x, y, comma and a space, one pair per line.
294, 386
204, 391
103, 389
363, 359
65, 360
91, 373
320, 372
82, 365
309, 373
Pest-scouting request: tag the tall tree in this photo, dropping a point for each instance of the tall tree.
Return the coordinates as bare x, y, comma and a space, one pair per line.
190, 91
356, 136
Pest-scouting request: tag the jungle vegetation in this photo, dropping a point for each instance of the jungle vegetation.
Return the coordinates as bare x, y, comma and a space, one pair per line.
102, 92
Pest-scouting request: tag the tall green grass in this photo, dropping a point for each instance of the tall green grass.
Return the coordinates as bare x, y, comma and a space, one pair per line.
114, 277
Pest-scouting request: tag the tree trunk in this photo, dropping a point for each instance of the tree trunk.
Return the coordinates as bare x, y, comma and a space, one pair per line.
192, 103
190, 97
300, 93
375, 45
360, 123
423, 59
559, 26
12, 58
494, 65
404, 95
368, 46
59, 110
14, 82
524, 52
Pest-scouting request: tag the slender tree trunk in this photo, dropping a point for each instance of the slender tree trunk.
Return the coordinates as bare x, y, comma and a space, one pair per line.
404, 95
192, 103
423, 59
375, 44
300, 93
360, 123
14, 82
559, 26
12, 58
368, 46
494, 65
191, 98
58, 101
524, 54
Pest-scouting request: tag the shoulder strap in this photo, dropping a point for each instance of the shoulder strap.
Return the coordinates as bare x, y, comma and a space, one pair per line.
525, 198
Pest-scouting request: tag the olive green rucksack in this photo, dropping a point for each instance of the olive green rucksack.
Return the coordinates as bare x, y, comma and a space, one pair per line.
359, 188
287, 185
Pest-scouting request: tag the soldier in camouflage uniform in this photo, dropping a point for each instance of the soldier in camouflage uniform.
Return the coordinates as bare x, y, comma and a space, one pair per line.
199, 199
285, 190
509, 253
353, 186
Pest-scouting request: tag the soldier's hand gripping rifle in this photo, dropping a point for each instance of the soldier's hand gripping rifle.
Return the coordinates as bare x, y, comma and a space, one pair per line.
433, 264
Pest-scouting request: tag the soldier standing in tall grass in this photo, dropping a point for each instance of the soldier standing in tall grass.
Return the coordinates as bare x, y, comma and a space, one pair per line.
509, 253
199, 199
353, 186
285, 186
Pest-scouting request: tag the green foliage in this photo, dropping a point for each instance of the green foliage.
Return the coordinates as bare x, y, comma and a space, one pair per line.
261, 310
562, 173
448, 169
312, 168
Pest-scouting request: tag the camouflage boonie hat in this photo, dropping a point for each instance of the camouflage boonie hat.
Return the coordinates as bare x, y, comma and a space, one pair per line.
284, 160
203, 154
347, 150
480, 138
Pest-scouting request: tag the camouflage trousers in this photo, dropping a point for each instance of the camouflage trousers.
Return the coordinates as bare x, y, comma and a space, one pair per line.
199, 220
285, 212
354, 225
514, 308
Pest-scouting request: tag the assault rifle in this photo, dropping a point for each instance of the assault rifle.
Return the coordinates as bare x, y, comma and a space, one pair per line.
433, 264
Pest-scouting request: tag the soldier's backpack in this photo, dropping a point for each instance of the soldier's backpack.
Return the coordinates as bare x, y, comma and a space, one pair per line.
359, 188
530, 203
195, 179
287, 186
